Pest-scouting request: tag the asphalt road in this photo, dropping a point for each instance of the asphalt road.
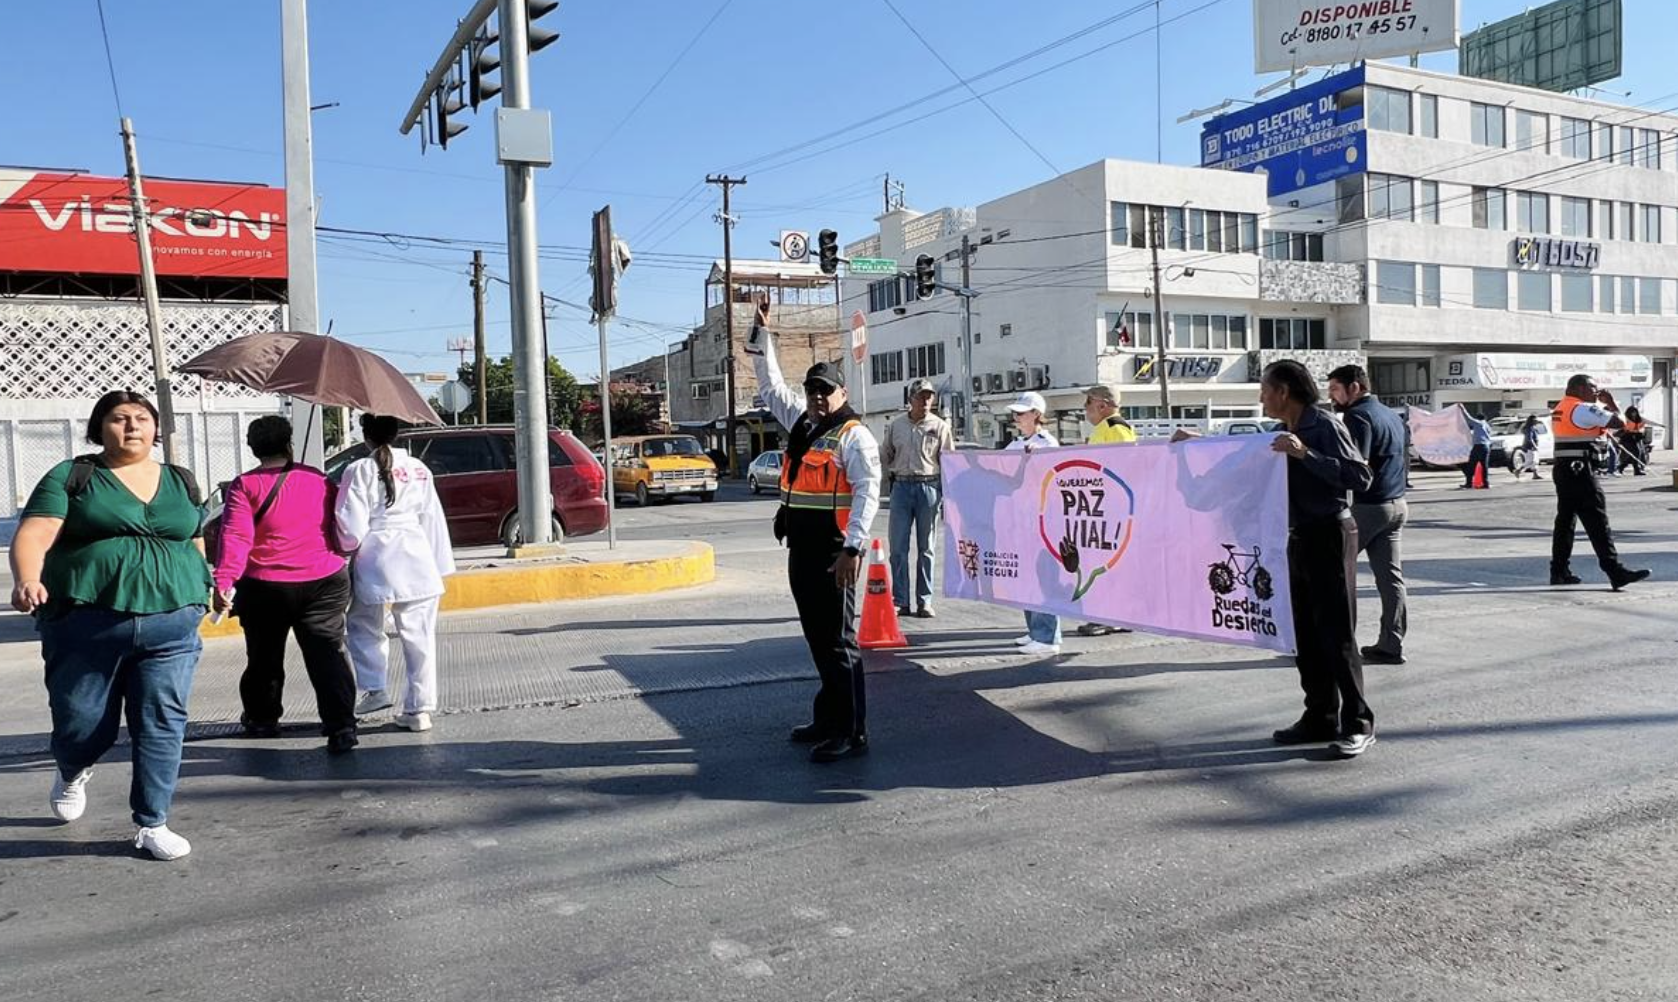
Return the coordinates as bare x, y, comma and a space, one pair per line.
1112, 824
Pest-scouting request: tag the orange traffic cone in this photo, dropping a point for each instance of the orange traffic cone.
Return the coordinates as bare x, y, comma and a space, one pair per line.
879, 617
1479, 475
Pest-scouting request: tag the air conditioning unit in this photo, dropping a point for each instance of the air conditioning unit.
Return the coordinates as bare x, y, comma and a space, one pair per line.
1016, 379
978, 384
993, 382
1039, 377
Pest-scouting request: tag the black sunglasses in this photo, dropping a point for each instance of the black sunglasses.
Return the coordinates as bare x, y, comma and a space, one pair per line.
819, 389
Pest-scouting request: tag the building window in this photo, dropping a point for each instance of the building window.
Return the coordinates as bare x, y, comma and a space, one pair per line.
1607, 223
1391, 197
1215, 231
1649, 296
1238, 333
1202, 330
1430, 203
1490, 212
885, 294
1395, 283
1628, 294
1121, 223
1627, 148
1395, 379
1292, 334
1576, 293
1182, 331
1175, 237
1387, 110
1532, 212
1532, 131
1428, 107
1232, 233
886, 367
1576, 138
1004, 330
1197, 229
1605, 143
1651, 224
1139, 225
1627, 218
1430, 285
1285, 245
1249, 233
1348, 193
1137, 327
1532, 291
926, 360
1605, 297
1486, 124
1575, 217
1491, 289
1649, 149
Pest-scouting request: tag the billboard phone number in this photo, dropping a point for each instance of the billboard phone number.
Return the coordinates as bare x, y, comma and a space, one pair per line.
1350, 32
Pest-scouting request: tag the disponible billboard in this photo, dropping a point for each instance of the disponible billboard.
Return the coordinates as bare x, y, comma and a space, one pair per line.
1305, 137
81, 224
1289, 34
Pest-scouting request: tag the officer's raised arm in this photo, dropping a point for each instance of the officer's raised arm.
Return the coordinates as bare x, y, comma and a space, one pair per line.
786, 403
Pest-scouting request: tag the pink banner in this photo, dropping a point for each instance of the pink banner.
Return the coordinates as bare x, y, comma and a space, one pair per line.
1187, 539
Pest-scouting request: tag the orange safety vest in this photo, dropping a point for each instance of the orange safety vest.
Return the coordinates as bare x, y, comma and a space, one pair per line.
819, 483
1633, 428
1572, 440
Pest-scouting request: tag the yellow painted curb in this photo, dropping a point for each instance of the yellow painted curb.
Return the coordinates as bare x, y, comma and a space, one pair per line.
556, 582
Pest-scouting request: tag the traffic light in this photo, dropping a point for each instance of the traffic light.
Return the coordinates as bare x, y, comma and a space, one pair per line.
926, 276
540, 38
827, 251
447, 103
482, 58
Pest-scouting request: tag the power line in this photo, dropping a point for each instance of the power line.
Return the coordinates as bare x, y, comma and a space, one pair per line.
110, 63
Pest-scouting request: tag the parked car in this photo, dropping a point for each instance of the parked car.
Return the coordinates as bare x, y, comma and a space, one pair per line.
1507, 437
1250, 426
478, 484
765, 471
662, 467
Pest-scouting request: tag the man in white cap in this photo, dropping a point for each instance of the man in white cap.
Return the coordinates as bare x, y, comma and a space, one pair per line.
909, 455
1101, 410
1042, 634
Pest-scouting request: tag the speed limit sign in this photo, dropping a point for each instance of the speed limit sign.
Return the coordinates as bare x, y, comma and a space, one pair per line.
795, 245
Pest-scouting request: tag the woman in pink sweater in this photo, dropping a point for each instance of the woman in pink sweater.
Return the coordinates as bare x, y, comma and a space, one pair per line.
280, 572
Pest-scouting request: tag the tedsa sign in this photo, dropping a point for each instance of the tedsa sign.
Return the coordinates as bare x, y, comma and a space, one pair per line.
1288, 34
80, 224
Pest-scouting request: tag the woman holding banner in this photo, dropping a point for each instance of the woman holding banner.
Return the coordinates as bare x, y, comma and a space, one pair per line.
1042, 628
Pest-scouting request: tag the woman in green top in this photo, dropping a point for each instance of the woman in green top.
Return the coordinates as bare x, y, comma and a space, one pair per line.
109, 559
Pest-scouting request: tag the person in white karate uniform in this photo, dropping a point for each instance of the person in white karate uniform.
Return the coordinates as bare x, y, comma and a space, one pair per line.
388, 514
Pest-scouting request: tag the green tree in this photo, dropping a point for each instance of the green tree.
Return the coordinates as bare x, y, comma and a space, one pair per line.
632, 414
564, 397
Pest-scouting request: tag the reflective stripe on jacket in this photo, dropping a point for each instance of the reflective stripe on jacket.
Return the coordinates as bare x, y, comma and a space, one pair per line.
819, 483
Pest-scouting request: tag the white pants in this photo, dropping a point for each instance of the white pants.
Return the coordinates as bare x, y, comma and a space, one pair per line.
416, 626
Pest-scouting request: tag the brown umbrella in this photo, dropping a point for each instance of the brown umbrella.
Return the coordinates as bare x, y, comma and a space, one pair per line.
316, 368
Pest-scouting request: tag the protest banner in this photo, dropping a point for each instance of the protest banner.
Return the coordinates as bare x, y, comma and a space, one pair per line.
1188, 539
1440, 438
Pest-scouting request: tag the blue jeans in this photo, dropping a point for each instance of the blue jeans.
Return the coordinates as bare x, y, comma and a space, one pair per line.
99, 663
1044, 627
914, 505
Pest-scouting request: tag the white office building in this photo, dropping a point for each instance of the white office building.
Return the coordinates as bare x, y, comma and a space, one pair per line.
1469, 241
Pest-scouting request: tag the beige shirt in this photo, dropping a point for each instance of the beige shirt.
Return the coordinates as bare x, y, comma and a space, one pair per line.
911, 448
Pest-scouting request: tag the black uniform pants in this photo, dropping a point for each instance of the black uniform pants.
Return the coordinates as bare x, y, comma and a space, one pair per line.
1579, 496
828, 615
314, 610
1322, 570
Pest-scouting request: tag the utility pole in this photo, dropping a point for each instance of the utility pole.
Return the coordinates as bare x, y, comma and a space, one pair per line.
967, 338
302, 291
479, 362
1156, 228
530, 360
163, 389
727, 183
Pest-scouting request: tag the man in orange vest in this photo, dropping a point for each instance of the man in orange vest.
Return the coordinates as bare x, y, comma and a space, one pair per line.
1579, 424
830, 491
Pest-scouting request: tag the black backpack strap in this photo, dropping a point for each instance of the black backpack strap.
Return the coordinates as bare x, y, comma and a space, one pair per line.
190, 482
273, 495
81, 474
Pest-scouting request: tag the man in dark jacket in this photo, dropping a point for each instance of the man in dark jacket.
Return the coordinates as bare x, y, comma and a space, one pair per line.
1380, 510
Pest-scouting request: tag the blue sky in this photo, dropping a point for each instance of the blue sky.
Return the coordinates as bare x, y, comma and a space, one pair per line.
203, 87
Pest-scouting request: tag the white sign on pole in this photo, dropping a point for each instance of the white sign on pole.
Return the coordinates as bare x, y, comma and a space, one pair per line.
1288, 34
795, 246
454, 397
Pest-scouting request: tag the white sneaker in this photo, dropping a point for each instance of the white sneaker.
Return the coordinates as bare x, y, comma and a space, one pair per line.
1352, 745
162, 843
414, 721
1033, 647
1021, 641
69, 797
372, 702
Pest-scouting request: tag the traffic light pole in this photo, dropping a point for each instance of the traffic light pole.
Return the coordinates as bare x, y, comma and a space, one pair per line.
530, 363
1156, 227
308, 424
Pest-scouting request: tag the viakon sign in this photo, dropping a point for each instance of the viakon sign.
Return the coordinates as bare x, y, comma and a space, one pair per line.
1302, 138
78, 224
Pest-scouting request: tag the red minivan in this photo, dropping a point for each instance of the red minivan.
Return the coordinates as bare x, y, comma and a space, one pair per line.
476, 480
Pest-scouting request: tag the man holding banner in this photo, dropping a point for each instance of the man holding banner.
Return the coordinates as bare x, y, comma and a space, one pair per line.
830, 491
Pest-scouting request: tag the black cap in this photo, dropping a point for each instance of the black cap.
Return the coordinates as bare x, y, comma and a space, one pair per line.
826, 372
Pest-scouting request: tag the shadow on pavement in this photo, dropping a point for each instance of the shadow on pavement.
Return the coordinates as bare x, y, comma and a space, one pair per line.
578, 626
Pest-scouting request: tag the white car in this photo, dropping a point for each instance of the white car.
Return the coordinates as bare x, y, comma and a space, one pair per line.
1507, 438
765, 472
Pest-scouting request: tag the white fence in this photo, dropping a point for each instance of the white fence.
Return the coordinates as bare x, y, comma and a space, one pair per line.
211, 444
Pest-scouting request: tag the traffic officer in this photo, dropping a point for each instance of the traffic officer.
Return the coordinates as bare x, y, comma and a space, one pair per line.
830, 491
1579, 424
1101, 410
